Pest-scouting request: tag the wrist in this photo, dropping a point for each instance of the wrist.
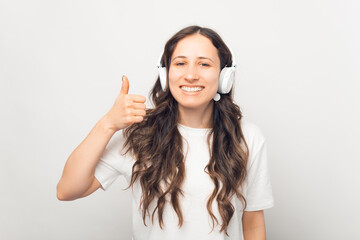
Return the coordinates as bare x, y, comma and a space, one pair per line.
106, 125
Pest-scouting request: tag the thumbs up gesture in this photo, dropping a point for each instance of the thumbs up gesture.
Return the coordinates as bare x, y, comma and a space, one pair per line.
127, 109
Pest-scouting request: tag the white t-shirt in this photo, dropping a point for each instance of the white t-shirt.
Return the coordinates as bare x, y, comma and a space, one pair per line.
197, 188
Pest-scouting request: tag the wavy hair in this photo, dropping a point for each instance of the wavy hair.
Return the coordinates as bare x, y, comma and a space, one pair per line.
156, 143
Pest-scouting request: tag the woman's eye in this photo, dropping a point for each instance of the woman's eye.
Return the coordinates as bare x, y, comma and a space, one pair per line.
205, 64
179, 64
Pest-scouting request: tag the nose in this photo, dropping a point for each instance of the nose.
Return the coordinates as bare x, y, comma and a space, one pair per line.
191, 74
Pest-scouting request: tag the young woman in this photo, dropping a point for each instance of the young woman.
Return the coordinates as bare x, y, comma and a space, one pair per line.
197, 170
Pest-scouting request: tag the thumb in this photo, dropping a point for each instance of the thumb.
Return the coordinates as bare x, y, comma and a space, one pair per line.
125, 85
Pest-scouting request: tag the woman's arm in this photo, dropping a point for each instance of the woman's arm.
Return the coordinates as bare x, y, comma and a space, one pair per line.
78, 178
254, 225
78, 173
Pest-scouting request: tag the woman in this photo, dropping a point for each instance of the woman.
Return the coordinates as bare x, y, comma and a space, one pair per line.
196, 168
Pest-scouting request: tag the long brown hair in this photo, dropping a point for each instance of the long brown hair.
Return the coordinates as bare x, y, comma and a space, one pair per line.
156, 143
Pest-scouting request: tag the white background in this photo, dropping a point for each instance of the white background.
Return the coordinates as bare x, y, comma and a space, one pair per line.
298, 79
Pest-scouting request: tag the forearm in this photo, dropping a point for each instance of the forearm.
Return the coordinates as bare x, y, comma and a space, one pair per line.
253, 223
80, 167
256, 233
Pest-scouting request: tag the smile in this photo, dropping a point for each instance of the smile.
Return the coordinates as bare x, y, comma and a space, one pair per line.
191, 89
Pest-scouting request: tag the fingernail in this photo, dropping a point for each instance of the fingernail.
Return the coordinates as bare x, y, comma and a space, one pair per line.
122, 78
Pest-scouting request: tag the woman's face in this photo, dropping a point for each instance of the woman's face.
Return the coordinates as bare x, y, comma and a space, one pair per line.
194, 72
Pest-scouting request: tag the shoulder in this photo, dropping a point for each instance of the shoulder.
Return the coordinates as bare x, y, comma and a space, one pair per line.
251, 131
117, 139
253, 135
116, 144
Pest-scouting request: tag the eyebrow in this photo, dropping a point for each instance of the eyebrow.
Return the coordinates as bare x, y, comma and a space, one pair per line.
198, 58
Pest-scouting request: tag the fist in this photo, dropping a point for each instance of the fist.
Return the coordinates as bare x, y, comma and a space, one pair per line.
127, 109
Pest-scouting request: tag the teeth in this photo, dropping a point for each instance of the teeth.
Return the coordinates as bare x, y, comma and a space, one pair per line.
191, 89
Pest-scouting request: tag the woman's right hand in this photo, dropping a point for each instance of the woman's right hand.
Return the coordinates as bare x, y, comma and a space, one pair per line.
127, 109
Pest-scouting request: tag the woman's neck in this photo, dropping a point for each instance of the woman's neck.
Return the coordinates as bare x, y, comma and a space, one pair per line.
196, 118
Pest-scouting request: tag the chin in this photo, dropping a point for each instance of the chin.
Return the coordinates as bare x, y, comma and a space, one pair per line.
194, 105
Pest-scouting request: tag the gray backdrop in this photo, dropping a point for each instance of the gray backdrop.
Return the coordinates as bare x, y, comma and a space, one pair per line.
298, 80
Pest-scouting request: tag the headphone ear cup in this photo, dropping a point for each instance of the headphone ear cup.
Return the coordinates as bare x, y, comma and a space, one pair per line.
226, 79
162, 76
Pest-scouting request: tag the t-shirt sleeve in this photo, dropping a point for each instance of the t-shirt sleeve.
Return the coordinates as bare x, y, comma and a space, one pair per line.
259, 194
111, 163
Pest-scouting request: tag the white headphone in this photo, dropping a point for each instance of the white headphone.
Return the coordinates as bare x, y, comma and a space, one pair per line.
226, 78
